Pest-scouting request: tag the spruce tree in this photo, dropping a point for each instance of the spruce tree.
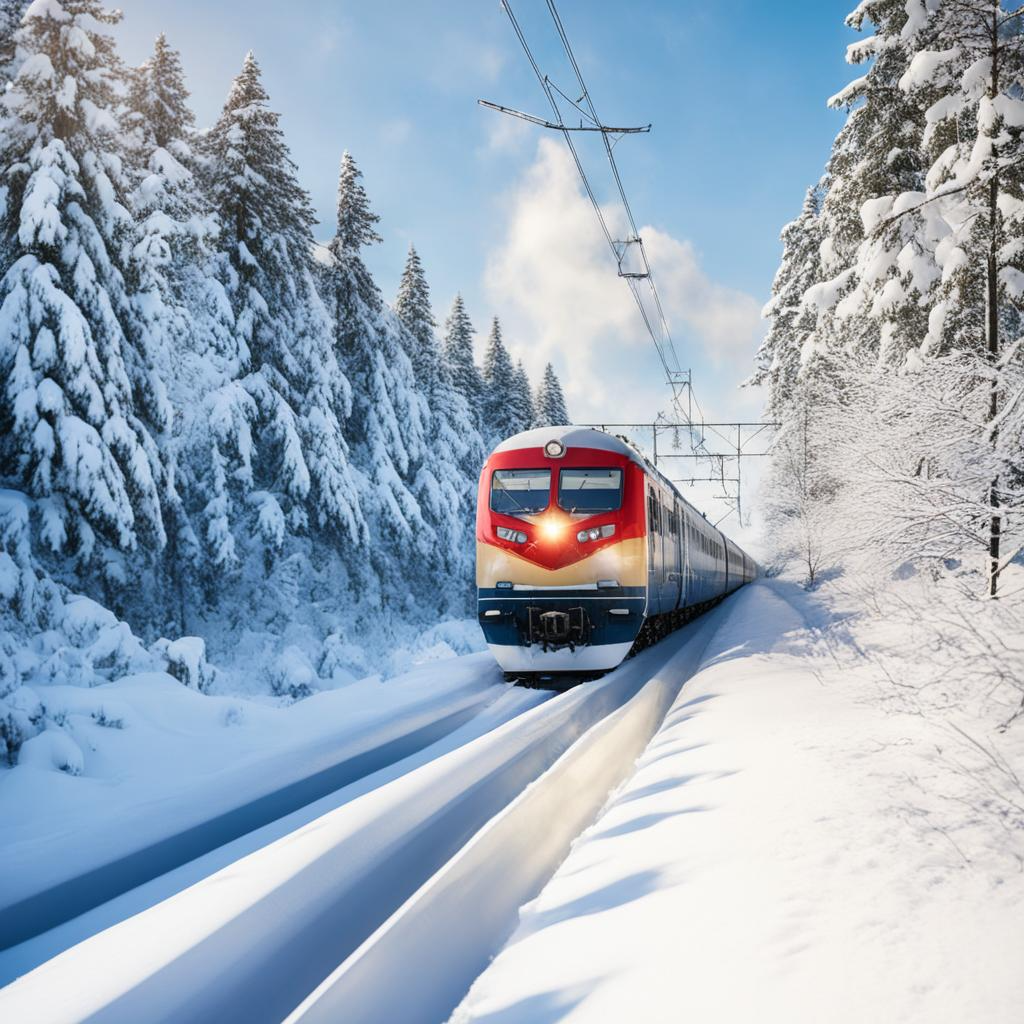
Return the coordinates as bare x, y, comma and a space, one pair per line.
11, 12
445, 484
521, 398
500, 420
388, 414
793, 323
293, 391
412, 305
458, 355
550, 405
70, 433
969, 70
878, 275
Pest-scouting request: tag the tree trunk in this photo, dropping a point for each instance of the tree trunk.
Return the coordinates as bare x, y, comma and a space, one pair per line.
992, 297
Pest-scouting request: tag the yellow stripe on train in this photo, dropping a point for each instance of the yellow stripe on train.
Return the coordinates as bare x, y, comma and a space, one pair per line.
625, 562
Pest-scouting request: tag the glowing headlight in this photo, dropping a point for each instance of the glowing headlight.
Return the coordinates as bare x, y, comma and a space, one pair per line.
551, 529
596, 533
515, 536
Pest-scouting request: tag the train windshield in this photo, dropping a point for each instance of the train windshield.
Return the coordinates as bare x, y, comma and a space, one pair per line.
520, 491
590, 490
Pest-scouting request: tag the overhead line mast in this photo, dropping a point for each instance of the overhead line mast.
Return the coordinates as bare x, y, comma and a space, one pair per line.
635, 270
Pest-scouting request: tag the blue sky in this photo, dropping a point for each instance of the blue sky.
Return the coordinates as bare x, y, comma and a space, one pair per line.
736, 93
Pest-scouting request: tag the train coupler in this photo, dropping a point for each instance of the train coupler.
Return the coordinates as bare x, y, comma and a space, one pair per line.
555, 629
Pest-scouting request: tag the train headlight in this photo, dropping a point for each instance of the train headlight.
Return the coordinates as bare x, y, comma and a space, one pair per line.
551, 529
596, 533
515, 536
554, 449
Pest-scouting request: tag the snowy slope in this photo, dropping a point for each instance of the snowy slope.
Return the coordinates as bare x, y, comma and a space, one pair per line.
176, 759
773, 859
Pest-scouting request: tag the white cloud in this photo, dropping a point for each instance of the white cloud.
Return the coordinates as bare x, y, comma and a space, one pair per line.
552, 280
505, 134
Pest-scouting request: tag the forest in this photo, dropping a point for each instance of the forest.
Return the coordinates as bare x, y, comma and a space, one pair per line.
213, 425
894, 360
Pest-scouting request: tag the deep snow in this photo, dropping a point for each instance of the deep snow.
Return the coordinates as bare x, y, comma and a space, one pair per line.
788, 850
166, 759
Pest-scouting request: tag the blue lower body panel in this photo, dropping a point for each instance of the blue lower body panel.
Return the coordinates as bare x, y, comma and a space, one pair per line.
561, 630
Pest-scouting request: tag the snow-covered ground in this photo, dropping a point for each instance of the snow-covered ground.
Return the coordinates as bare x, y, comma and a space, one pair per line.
155, 759
829, 825
792, 847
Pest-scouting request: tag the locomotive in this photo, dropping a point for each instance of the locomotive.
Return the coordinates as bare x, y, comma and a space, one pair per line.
585, 551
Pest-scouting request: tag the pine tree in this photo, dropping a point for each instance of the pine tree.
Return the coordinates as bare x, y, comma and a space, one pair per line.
412, 305
388, 414
499, 404
550, 405
293, 390
792, 321
877, 283
458, 355
445, 484
69, 431
11, 12
969, 68
521, 398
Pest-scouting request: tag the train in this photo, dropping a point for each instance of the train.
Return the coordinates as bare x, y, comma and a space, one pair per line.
586, 552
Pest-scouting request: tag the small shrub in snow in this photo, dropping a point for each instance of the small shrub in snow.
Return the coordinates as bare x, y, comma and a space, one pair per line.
342, 662
292, 675
185, 660
53, 749
101, 717
234, 715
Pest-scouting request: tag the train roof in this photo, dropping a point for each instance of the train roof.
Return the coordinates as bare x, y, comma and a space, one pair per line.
572, 437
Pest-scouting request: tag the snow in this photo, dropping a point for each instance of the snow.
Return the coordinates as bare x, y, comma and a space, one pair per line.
306, 900
789, 849
154, 758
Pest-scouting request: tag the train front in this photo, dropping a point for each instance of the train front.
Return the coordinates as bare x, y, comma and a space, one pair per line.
561, 563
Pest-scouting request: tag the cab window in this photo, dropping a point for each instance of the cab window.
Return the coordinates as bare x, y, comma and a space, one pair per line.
590, 490
520, 491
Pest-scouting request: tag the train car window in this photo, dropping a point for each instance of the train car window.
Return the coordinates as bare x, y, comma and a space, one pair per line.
520, 491
590, 490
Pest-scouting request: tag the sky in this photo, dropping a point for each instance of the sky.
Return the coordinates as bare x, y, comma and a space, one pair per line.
736, 93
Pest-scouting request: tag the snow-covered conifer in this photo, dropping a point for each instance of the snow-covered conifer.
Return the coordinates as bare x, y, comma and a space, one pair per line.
500, 413
283, 333
458, 354
412, 304
550, 408
11, 12
968, 69
445, 484
792, 321
521, 397
388, 414
71, 434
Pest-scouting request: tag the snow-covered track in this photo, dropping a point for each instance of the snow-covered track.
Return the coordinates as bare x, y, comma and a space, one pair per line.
439, 941
253, 940
298, 784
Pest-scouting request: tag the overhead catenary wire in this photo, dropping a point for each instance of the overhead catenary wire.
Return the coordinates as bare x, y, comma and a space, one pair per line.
659, 331
637, 275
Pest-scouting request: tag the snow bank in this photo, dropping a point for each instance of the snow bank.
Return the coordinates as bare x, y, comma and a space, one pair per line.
250, 941
774, 858
155, 760
472, 901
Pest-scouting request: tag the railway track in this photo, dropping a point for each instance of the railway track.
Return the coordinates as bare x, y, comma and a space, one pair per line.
327, 916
